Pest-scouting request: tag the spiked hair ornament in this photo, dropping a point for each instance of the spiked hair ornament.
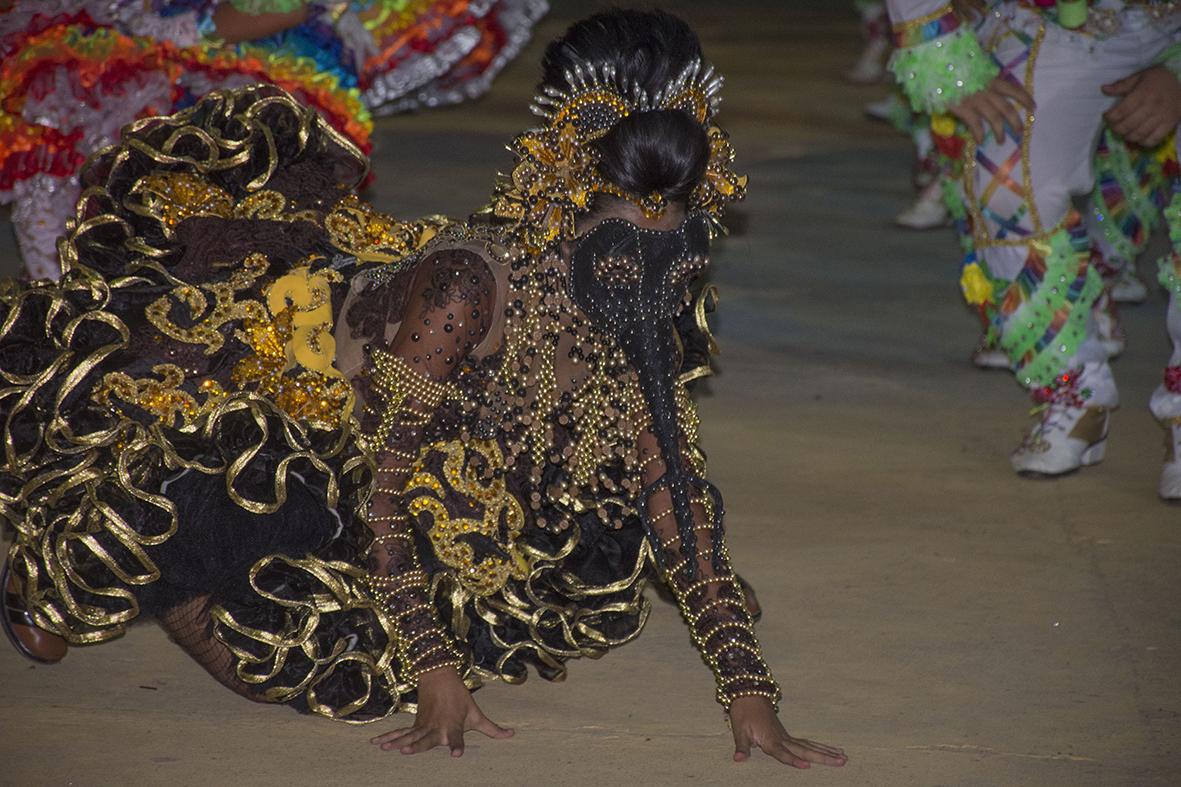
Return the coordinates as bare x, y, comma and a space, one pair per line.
556, 173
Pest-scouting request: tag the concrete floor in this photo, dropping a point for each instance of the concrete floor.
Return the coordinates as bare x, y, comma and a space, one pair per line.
945, 622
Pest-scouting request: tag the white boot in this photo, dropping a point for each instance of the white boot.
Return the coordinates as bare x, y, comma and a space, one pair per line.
1128, 288
989, 356
883, 109
1170, 474
928, 210
871, 65
1073, 418
1063, 440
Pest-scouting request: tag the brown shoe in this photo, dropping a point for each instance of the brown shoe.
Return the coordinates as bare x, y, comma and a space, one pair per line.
32, 642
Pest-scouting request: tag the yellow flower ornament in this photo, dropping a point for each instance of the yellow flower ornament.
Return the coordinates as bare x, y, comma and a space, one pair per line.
975, 285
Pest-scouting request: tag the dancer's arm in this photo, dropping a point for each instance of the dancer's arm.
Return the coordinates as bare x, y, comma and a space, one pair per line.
407, 382
714, 607
448, 312
234, 26
943, 70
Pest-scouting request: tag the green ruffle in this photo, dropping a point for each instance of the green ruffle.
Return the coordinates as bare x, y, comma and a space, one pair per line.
939, 73
259, 7
1169, 266
1171, 59
1173, 221
1119, 165
953, 200
902, 117
1030, 324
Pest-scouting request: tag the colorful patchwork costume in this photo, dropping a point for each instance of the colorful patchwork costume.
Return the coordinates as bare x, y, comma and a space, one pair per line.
74, 73
1032, 257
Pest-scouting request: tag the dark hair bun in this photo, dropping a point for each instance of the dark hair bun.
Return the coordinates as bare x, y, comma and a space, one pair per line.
664, 151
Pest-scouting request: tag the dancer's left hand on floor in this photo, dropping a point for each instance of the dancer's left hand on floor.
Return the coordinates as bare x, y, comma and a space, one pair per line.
754, 723
446, 711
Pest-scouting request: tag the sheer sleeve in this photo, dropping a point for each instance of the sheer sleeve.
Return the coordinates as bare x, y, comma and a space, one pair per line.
711, 598
448, 309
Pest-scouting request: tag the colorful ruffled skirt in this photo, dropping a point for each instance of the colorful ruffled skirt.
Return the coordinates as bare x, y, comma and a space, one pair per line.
73, 73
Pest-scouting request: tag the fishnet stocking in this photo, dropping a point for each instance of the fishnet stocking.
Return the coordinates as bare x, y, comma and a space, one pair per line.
189, 625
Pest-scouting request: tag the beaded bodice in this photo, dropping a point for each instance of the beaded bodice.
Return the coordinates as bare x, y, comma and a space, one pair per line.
497, 409
557, 394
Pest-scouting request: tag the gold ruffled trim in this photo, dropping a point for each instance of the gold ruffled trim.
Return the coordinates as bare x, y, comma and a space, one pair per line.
706, 301
86, 454
557, 629
74, 486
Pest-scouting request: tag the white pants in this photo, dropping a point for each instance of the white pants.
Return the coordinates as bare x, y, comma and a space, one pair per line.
1020, 189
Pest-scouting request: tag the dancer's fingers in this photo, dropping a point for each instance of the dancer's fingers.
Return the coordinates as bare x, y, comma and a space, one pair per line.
491, 729
1121, 87
427, 742
1015, 92
823, 747
391, 735
455, 740
741, 746
781, 752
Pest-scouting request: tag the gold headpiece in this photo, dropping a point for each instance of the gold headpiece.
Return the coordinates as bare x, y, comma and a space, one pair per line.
556, 174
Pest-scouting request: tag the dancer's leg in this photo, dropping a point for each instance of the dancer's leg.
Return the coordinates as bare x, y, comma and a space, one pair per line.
190, 625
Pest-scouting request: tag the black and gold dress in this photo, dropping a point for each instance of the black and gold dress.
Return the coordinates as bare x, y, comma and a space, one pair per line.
330, 450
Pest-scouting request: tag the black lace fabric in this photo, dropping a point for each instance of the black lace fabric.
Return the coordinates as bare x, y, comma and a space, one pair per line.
711, 598
441, 317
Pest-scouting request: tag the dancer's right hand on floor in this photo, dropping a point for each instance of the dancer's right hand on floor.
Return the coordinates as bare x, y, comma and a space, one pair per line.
446, 710
754, 723
994, 106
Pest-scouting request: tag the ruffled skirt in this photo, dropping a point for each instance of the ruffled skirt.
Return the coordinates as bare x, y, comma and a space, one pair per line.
161, 445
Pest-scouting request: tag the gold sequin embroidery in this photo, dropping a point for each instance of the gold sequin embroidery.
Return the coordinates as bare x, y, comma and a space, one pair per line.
163, 398
207, 321
354, 227
172, 197
295, 331
474, 471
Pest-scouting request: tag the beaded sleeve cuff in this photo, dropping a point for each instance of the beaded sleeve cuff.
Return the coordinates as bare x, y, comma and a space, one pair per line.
940, 72
402, 589
724, 635
422, 643
714, 607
